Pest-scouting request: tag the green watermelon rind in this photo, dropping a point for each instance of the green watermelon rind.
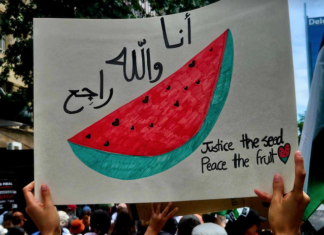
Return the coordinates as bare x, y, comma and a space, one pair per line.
127, 167
284, 159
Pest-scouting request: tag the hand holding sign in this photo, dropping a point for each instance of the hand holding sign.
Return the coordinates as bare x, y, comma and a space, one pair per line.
285, 213
44, 214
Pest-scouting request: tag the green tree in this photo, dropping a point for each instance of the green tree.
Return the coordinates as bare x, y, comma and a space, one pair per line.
300, 125
167, 7
18, 21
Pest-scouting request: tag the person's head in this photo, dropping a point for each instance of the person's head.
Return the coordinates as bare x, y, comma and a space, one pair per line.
7, 220
64, 219
247, 222
86, 210
76, 226
71, 209
18, 219
86, 220
124, 224
121, 207
187, 224
170, 226
100, 222
208, 218
141, 226
208, 229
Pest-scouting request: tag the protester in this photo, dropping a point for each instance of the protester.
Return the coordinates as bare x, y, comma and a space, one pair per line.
209, 229
7, 220
85, 218
64, 219
18, 219
141, 227
99, 223
247, 223
170, 227
120, 207
16, 231
285, 212
123, 224
200, 218
76, 227
71, 211
86, 210
6, 208
187, 224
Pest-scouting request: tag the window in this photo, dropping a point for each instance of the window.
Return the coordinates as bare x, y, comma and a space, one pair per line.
2, 44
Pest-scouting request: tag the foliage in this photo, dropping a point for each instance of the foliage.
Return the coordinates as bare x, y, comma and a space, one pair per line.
18, 21
300, 125
166, 7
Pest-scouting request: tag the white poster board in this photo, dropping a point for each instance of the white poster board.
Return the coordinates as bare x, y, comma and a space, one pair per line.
207, 111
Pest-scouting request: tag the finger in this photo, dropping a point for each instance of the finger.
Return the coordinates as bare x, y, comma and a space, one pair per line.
300, 173
28, 193
263, 196
46, 195
166, 209
172, 213
158, 208
278, 188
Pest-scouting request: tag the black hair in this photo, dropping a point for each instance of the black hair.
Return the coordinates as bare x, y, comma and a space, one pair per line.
170, 226
124, 224
7, 216
100, 222
16, 231
187, 224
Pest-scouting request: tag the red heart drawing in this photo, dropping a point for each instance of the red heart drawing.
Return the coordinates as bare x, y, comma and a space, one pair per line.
284, 152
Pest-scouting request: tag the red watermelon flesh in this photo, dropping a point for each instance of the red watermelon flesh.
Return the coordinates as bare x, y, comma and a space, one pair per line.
174, 112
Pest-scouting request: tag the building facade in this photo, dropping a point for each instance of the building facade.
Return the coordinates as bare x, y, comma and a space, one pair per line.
314, 28
12, 134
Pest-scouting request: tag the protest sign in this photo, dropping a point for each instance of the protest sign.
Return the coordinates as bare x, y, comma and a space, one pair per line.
8, 193
193, 106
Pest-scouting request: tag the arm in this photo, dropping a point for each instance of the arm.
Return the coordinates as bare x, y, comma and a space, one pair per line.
158, 219
286, 211
44, 214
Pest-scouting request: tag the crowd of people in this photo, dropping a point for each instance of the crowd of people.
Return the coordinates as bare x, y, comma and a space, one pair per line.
285, 216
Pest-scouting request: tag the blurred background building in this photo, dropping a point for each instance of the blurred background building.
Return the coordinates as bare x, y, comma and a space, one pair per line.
314, 39
13, 134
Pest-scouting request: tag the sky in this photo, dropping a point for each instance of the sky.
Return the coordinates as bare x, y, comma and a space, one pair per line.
315, 8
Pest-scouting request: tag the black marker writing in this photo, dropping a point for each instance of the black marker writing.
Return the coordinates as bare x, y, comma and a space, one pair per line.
220, 146
265, 159
123, 57
165, 36
205, 162
271, 141
238, 160
88, 94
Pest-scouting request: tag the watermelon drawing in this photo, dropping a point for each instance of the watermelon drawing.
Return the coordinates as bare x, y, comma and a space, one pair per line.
162, 127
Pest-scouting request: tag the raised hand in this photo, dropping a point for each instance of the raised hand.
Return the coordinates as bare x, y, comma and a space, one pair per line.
286, 212
44, 214
158, 219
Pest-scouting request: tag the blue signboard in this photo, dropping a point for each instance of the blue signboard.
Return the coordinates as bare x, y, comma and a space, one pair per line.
314, 38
